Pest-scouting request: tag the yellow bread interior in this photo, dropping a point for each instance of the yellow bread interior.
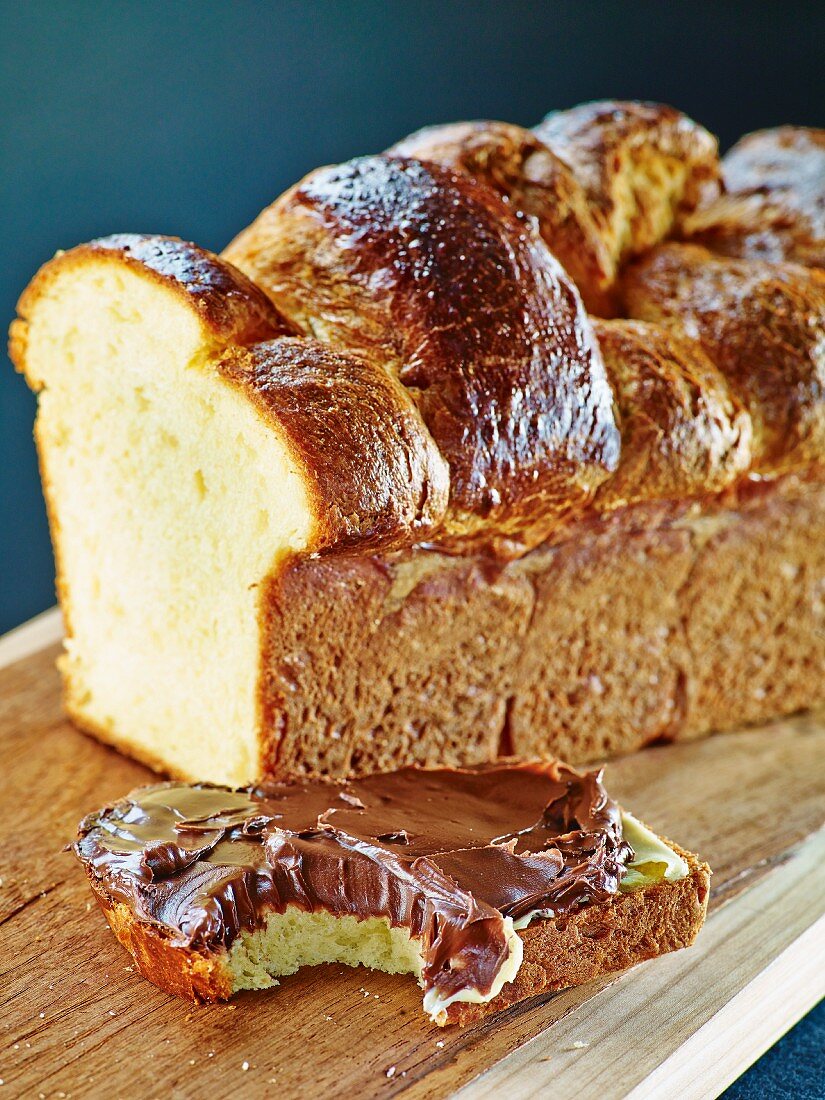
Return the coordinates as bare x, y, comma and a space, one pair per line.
633, 191
170, 501
296, 938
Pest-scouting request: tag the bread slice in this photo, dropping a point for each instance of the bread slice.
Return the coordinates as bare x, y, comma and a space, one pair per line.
557, 953
601, 939
234, 895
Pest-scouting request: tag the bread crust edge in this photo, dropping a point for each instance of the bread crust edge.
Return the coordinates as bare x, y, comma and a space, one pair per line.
558, 953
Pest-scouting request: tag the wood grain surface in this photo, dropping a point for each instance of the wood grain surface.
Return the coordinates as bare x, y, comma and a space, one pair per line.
75, 1020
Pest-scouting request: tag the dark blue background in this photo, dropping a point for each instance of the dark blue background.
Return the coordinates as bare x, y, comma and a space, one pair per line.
186, 118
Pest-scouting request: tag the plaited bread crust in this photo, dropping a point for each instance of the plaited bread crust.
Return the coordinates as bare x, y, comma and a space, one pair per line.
684, 433
520, 167
375, 470
763, 325
774, 202
650, 514
490, 337
643, 167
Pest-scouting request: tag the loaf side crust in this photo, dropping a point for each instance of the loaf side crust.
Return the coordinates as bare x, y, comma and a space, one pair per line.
695, 621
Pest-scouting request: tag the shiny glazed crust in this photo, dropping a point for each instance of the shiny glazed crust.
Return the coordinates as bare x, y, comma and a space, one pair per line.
684, 433
231, 308
597, 940
520, 167
375, 472
773, 207
763, 325
489, 337
643, 167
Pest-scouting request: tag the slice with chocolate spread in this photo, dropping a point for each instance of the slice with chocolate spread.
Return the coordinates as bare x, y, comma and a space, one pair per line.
490, 884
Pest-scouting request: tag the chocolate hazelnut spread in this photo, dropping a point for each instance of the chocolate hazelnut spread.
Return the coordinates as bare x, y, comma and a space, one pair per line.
455, 857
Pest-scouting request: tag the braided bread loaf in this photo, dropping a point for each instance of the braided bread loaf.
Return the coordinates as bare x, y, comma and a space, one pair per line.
373, 488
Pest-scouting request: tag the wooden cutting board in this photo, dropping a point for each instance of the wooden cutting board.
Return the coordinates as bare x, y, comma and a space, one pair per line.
75, 1020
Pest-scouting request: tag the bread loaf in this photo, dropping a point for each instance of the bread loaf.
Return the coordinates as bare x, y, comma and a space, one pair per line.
391, 496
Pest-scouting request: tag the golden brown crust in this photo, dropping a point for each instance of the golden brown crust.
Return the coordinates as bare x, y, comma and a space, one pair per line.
231, 307
377, 477
597, 940
195, 975
642, 166
601, 939
520, 167
432, 275
684, 434
762, 325
774, 205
